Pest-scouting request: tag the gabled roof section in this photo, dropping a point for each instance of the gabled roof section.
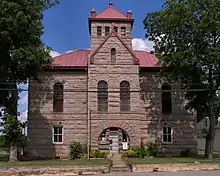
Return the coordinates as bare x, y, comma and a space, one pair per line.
113, 33
146, 60
79, 60
75, 59
111, 13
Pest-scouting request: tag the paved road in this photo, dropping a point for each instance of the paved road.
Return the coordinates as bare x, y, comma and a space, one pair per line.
211, 173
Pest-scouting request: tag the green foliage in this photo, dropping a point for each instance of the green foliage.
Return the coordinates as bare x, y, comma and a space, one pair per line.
98, 154
76, 150
130, 154
186, 36
23, 54
142, 151
2, 141
12, 130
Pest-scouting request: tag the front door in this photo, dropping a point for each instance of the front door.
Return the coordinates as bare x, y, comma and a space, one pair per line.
114, 146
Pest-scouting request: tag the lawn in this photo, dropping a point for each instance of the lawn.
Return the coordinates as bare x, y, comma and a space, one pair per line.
58, 163
4, 161
164, 160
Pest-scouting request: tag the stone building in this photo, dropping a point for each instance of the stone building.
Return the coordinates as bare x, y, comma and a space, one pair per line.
106, 96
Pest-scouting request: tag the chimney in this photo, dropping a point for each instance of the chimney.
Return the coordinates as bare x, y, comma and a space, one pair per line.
129, 14
93, 13
110, 4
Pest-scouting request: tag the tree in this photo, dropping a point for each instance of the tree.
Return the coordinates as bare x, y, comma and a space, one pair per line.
186, 34
22, 53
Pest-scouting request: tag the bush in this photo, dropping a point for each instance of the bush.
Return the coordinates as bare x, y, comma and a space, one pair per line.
76, 150
141, 152
130, 154
98, 154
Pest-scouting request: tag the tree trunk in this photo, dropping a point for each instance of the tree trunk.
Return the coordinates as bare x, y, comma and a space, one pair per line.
210, 138
13, 154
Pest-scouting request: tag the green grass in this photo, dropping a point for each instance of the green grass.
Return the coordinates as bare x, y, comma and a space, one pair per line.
86, 162
164, 160
4, 161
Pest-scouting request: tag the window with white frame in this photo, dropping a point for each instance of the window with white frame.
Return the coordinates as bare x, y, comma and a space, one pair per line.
167, 134
57, 134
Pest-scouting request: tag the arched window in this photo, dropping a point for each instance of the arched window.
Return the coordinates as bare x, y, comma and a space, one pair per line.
113, 55
58, 97
166, 99
102, 96
124, 96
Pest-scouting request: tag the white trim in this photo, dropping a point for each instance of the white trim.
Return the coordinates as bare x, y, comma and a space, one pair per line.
57, 126
167, 126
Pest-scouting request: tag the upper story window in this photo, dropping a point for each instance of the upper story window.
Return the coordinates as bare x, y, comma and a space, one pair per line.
116, 29
99, 30
123, 31
124, 96
58, 97
102, 96
107, 30
113, 55
166, 99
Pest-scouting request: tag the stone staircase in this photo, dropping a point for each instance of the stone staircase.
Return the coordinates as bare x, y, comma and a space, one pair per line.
118, 165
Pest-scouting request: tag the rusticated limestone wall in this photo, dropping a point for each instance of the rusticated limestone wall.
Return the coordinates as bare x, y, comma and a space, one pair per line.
41, 117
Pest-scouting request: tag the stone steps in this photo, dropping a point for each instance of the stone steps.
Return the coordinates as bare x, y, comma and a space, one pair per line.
120, 169
118, 165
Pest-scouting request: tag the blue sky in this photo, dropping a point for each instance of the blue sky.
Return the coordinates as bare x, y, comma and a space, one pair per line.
66, 27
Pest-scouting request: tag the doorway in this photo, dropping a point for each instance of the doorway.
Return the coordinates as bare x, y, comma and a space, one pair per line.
112, 139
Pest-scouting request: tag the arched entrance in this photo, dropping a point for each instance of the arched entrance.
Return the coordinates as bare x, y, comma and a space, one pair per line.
114, 139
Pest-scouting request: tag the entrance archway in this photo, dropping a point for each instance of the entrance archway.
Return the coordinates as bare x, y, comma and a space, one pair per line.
114, 139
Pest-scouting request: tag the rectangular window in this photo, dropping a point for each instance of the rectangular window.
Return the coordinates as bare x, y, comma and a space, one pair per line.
167, 134
116, 29
57, 134
107, 30
123, 31
99, 30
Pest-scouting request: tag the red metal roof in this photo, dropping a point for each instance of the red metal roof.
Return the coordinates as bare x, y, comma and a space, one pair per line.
111, 13
146, 59
75, 59
79, 59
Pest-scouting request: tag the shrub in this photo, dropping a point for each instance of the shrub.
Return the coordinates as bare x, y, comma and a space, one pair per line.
98, 154
130, 154
76, 150
141, 151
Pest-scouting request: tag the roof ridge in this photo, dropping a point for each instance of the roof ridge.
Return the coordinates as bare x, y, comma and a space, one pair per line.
141, 51
112, 9
71, 52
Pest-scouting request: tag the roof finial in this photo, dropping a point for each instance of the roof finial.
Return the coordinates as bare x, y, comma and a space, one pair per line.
129, 14
93, 13
110, 4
